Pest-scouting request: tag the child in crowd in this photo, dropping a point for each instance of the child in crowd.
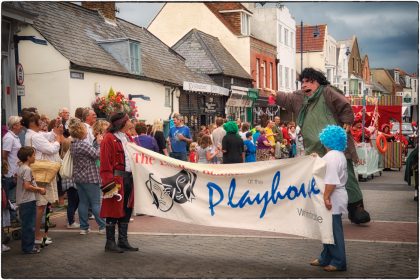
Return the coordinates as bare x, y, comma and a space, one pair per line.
193, 152
25, 197
334, 138
205, 152
250, 148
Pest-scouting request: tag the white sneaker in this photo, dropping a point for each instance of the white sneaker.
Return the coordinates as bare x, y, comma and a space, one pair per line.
48, 241
102, 231
84, 231
73, 226
5, 248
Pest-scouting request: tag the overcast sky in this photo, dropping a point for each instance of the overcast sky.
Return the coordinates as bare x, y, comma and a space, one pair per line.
386, 31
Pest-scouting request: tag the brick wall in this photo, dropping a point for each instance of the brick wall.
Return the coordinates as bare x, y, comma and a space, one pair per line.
106, 8
266, 55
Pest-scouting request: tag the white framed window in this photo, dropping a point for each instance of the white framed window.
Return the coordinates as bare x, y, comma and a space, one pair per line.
286, 37
286, 76
134, 58
245, 24
257, 74
264, 69
292, 78
280, 76
167, 97
271, 75
292, 39
280, 34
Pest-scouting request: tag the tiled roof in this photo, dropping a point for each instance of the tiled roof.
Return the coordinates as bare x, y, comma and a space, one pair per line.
74, 31
310, 43
204, 53
220, 6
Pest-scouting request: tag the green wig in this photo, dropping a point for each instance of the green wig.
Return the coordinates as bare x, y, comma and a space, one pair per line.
231, 127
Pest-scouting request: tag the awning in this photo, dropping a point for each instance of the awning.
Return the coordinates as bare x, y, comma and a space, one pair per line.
239, 102
198, 87
253, 93
239, 90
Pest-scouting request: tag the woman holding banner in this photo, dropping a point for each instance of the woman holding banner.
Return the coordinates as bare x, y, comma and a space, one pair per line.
117, 183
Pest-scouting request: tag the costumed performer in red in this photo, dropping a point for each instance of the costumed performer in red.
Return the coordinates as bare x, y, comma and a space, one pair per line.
117, 183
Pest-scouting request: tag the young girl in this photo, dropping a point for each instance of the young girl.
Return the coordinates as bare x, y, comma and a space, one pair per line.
334, 138
193, 152
25, 197
250, 148
205, 153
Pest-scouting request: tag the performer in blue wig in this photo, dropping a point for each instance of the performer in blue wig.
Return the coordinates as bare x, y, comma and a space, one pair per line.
334, 139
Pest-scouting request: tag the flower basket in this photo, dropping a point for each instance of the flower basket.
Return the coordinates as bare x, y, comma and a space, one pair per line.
104, 106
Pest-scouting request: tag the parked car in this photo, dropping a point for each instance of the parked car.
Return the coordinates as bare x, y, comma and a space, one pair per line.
407, 131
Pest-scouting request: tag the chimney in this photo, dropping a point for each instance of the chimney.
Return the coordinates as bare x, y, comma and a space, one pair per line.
106, 8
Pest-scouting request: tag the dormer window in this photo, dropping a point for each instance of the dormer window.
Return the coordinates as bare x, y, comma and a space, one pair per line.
125, 51
245, 24
134, 57
396, 77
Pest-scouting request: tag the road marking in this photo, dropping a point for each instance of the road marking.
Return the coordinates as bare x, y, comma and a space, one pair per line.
242, 236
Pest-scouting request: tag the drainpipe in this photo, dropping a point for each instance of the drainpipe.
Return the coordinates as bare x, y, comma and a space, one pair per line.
172, 100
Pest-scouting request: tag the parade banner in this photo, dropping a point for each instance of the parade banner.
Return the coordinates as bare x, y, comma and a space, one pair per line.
283, 196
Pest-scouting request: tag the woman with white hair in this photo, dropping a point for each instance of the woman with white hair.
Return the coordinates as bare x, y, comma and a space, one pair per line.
157, 133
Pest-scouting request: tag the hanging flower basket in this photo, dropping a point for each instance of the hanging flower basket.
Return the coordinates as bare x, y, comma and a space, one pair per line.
104, 106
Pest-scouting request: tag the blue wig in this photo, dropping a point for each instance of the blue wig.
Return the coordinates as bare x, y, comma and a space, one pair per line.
334, 137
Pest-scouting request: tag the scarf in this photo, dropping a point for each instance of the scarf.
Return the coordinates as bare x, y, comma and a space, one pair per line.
308, 100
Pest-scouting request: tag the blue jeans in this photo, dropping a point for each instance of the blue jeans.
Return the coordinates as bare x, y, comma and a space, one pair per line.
73, 204
180, 156
89, 197
27, 213
9, 184
335, 254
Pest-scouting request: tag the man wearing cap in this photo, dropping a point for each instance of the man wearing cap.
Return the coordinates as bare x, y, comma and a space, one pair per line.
180, 137
117, 183
317, 105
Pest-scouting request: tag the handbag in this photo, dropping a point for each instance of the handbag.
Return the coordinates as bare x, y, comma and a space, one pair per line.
66, 170
44, 171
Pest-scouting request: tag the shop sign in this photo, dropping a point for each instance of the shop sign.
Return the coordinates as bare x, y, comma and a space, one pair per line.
210, 106
190, 86
235, 102
19, 74
20, 90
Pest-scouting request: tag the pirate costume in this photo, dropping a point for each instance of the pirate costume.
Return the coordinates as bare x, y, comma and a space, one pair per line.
117, 185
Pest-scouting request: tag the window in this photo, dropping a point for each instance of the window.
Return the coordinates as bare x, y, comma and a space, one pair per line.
292, 39
280, 34
167, 97
264, 66
134, 58
280, 76
286, 76
286, 37
345, 87
245, 25
257, 74
329, 75
292, 77
271, 75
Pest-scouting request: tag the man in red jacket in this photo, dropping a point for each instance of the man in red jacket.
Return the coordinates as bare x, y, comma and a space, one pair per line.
117, 183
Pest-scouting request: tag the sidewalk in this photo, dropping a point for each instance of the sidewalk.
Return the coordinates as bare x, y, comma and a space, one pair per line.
386, 247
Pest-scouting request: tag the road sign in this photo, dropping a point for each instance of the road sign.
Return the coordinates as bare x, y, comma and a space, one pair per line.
19, 74
20, 90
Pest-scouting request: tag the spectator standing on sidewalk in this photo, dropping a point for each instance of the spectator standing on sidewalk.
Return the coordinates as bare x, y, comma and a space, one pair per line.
144, 140
157, 133
117, 178
47, 146
250, 148
10, 147
89, 119
180, 137
86, 175
232, 144
217, 137
334, 138
277, 130
25, 198
317, 105
64, 114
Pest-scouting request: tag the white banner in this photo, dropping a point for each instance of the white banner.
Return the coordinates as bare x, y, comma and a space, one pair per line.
283, 196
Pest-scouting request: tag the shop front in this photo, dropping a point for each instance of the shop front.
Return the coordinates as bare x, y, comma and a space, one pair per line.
200, 104
239, 104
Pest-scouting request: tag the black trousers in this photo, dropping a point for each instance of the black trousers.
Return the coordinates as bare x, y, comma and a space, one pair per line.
128, 188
